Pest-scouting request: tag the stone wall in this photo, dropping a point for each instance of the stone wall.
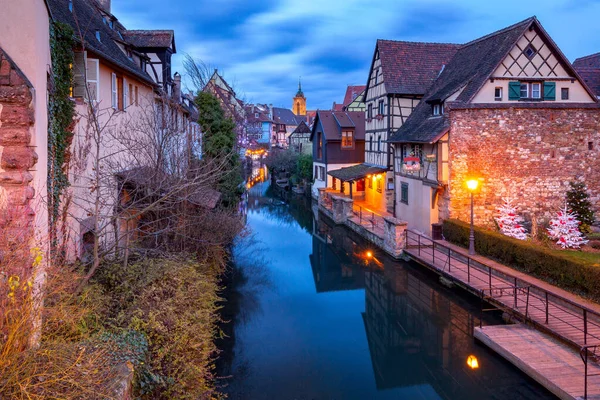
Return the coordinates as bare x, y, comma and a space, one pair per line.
528, 154
16, 160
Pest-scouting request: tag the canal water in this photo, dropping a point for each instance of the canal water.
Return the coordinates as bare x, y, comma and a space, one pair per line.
317, 313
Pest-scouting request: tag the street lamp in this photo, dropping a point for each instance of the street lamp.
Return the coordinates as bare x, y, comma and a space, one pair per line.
472, 185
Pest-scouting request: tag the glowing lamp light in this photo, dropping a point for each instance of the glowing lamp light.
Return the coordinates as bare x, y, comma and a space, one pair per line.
369, 254
472, 362
472, 184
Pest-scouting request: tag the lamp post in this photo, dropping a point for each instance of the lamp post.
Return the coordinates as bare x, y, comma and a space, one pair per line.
472, 185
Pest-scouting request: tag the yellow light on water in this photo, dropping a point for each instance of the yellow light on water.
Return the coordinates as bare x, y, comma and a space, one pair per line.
472, 362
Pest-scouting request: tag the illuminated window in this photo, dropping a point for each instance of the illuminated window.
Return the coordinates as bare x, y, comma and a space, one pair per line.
347, 139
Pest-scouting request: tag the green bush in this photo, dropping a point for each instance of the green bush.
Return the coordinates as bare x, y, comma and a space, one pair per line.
577, 276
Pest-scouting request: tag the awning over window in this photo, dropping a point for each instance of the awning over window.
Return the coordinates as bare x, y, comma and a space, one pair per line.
356, 172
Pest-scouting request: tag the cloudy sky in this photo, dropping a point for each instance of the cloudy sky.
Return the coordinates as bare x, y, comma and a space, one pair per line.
262, 47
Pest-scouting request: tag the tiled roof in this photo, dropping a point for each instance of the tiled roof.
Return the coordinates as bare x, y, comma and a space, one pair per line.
333, 122
337, 107
588, 68
252, 112
87, 19
410, 67
151, 38
352, 92
301, 128
285, 116
356, 172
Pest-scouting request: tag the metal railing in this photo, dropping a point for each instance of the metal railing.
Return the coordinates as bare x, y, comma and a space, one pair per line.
367, 217
533, 304
585, 353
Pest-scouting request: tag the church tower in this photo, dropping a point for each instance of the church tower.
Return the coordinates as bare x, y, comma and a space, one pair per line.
299, 103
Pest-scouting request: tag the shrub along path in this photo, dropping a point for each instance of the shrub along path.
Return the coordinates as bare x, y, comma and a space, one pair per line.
574, 319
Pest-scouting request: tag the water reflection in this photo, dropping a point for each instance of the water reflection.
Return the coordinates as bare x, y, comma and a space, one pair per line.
343, 321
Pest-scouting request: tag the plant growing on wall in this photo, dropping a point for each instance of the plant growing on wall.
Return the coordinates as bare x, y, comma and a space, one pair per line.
61, 111
578, 201
509, 222
564, 228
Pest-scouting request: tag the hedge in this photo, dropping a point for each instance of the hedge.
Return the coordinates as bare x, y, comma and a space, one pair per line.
543, 263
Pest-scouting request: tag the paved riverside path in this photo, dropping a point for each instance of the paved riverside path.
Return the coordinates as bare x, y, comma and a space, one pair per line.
553, 364
575, 320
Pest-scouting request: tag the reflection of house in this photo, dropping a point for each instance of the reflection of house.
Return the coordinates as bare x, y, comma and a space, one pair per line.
334, 260
508, 108
338, 140
400, 74
299, 140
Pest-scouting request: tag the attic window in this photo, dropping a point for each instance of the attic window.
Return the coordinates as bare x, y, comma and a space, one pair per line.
255, 115
98, 36
120, 35
71, 5
438, 109
529, 51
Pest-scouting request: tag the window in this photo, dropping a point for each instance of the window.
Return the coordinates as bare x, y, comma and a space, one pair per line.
371, 143
438, 109
564, 93
498, 94
380, 108
404, 192
98, 36
370, 111
524, 90
529, 51
320, 145
131, 97
136, 96
379, 184
114, 94
378, 143
536, 90
92, 76
347, 141
125, 94
322, 169
370, 179
376, 76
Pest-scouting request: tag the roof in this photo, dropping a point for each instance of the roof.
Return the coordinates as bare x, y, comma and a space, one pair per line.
285, 116
467, 72
302, 128
410, 67
356, 172
252, 111
151, 38
588, 68
333, 122
337, 107
352, 92
87, 19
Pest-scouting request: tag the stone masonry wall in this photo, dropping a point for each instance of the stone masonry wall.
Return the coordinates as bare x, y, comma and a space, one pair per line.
526, 154
16, 159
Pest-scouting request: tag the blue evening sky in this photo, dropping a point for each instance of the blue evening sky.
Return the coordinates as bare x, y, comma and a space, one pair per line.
262, 47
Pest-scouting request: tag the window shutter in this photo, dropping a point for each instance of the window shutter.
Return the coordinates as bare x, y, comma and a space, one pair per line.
514, 90
549, 90
92, 78
113, 85
79, 74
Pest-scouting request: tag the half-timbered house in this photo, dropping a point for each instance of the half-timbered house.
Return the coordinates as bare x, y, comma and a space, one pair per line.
299, 140
338, 140
509, 110
400, 74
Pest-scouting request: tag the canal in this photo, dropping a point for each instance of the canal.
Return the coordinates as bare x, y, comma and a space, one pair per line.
316, 313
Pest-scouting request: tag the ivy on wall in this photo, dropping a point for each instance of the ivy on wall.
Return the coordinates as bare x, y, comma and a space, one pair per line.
61, 112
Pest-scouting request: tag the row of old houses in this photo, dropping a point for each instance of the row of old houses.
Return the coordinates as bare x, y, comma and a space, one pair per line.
123, 88
507, 109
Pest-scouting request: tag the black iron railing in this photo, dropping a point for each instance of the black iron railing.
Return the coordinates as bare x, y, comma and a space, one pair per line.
573, 323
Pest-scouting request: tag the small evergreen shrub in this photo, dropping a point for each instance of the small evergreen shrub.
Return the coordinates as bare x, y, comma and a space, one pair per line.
578, 201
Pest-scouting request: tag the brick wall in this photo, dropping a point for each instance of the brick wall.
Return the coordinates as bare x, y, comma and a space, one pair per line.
16, 159
527, 154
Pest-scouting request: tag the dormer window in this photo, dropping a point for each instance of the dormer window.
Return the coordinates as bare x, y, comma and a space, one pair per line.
98, 36
71, 5
347, 139
438, 109
255, 115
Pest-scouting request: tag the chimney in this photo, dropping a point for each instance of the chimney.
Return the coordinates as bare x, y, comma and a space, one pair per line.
177, 87
105, 5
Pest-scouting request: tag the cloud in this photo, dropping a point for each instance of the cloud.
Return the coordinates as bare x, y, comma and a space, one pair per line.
264, 46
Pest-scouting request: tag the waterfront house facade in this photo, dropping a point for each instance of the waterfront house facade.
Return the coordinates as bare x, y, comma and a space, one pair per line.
299, 140
338, 141
400, 74
509, 110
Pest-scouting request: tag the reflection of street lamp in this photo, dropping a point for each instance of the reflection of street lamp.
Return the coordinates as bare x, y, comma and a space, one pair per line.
472, 362
472, 185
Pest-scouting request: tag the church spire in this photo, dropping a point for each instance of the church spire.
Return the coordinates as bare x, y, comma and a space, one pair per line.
300, 94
